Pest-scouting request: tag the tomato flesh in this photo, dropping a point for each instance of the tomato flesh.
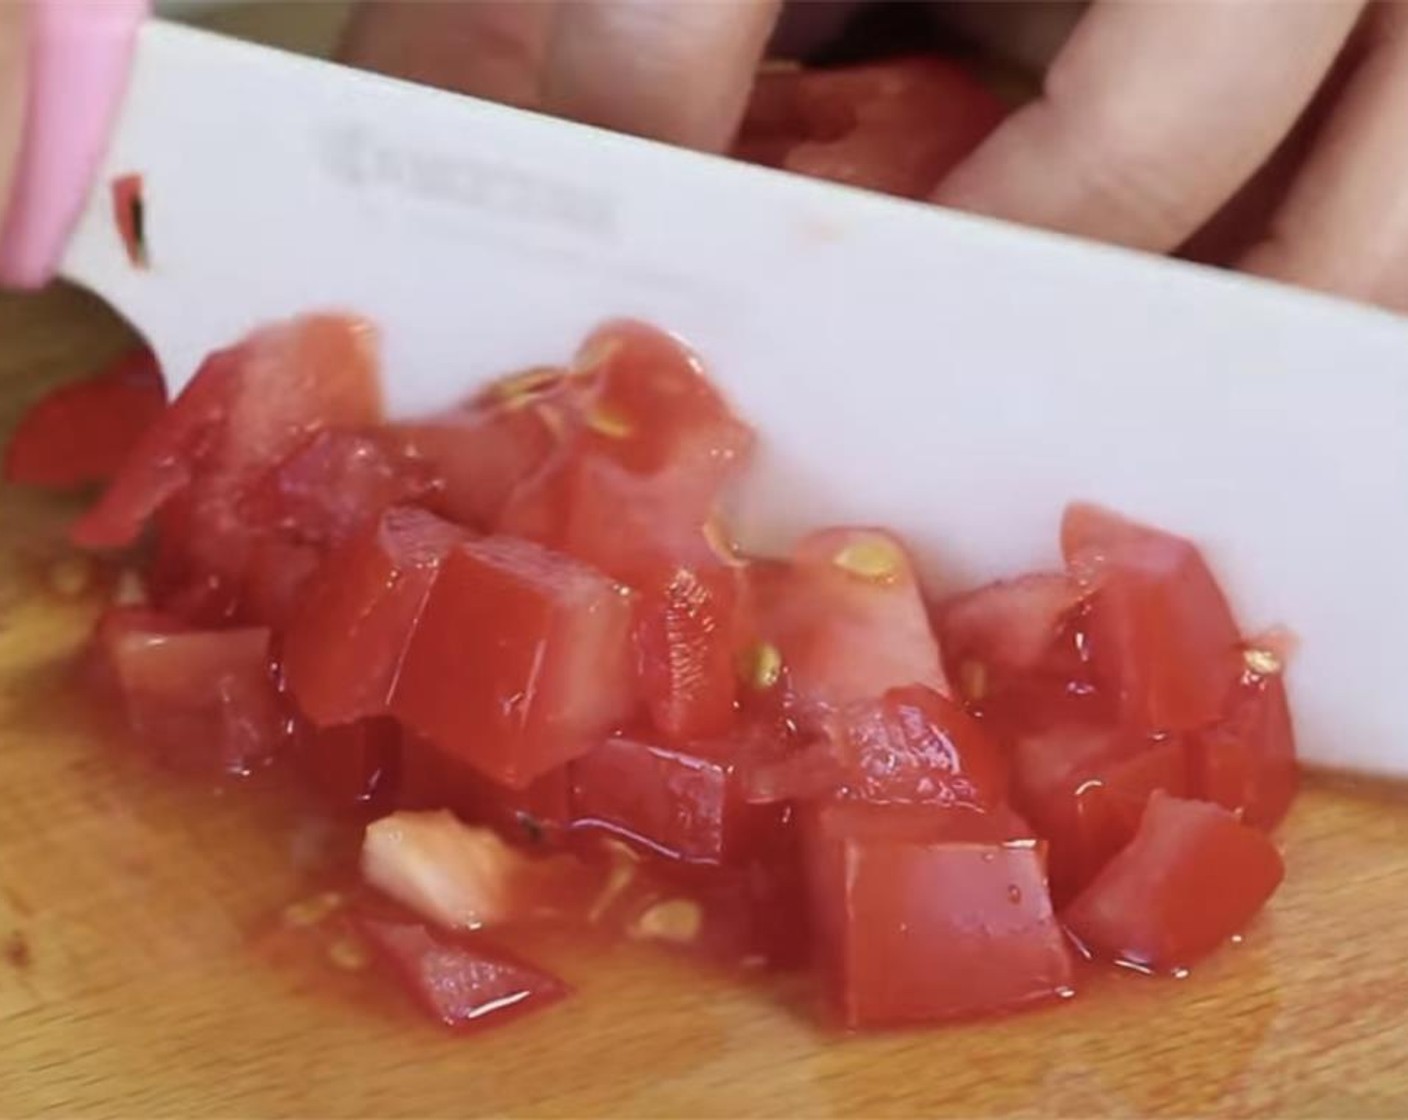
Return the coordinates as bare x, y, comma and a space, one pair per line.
1161, 635
1247, 762
345, 647
351, 766
520, 661
83, 432
458, 982
925, 914
1192, 877
203, 700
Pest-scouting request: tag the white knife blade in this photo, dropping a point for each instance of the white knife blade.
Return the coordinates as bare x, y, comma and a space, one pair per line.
954, 378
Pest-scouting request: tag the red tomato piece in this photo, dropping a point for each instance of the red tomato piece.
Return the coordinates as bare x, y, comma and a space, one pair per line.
83, 431
646, 453
277, 578
460, 982
897, 126
1247, 761
483, 450
917, 746
1192, 877
431, 779
1161, 636
328, 489
688, 633
203, 700
1085, 788
925, 914
344, 648
129, 212
521, 659
248, 407
847, 618
684, 803
353, 766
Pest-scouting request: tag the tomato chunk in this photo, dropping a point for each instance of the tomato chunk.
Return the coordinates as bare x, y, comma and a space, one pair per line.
916, 745
1247, 762
1161, 635
926, 914
344, 648
520, 662
848, 620
353, 766
82, 432
203, 700
898, 126
1191, 878
648, 449
688, 633
685, 803
1085, 787
460, 983
484, 449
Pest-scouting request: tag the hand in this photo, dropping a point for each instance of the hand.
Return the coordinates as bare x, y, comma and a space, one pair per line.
1272, 136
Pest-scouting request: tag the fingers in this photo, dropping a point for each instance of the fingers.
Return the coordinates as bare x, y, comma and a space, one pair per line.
13, 76
1344, 225
673, 70
1154, 113
492, 49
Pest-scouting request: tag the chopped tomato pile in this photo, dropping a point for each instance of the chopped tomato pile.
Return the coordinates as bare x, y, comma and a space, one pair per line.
516, 639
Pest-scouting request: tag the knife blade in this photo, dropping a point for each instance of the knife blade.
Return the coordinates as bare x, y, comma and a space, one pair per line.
952, 377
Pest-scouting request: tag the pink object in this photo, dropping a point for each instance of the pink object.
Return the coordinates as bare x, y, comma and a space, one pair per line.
79, 52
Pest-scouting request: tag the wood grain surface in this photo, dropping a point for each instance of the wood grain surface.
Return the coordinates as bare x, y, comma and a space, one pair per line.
138, 977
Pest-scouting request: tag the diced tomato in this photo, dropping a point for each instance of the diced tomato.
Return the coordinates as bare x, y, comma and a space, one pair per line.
278, 576
354, 766
459, 982
684, 803
82, 432
248, 407
898, 125
520, 662
925, 914
1247, 761
639, 472
345, 646
331, 487
429, 778
1160, 634
1085, 787
915, 745
203, 700
848, 619
688, 632
1191, 878
484, 449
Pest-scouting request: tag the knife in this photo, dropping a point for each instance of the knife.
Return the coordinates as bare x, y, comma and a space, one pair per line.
955, 378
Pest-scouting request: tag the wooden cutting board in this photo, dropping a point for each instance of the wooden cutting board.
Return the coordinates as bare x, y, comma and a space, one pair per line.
136, 977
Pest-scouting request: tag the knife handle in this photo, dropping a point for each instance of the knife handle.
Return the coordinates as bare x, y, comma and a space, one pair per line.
78, 54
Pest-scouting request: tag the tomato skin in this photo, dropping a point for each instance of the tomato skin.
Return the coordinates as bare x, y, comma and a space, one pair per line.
1247, 761
914, 745
463, 983
521, 660
1085, 787
1191, 878
83, 432
923, 914
848, 619
202, 700
344, 648
1161, 636
897, 126
688, 633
